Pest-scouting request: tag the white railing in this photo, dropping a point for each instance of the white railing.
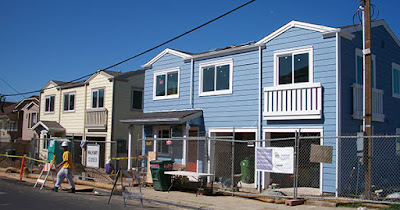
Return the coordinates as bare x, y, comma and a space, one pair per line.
377, 103
96, 119
290, 102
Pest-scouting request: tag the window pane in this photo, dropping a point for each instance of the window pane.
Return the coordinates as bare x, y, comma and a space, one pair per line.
137, 97
208, 79
94, 99
101, 98
301, 68
285, 70
66, 102
223, 77
72, 102
51, 103
360, 70
47, 105
396, 82
160, 85
172, 83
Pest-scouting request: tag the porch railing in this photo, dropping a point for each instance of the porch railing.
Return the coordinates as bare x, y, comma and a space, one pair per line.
96, 118
377, 103
290, 102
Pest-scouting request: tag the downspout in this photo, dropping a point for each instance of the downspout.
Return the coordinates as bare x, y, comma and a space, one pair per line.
338, 111
191, 82
59, 107
259, 130
84, 114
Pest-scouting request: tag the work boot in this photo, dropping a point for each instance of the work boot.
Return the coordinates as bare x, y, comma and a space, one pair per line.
72, 190
55, 189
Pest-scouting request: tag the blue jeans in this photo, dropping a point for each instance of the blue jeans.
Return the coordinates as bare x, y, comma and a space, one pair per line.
62, 174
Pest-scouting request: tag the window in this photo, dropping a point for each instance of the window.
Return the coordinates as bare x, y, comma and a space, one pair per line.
33, 119
216, 78
396, 80
162, 147
97, 98
12, 126
49, 104
293, 65
359, 68
166, 84
69, 102
45, 141
137, 99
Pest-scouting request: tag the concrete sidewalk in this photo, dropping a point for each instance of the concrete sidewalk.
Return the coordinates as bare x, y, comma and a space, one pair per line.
186, 200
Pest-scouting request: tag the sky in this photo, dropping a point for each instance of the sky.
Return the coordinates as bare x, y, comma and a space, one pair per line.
45, 40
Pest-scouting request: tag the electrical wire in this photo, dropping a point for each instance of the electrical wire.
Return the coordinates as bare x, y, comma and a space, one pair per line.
142, 53
22, 95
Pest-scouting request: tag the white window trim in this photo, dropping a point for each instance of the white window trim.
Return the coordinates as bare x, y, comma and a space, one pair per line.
45, 99
104, 98
136, 89
216, 63
161, 72
397, 67
294, 51
69, 94
359, 53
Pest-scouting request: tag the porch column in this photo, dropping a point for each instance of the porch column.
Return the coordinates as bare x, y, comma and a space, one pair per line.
130, 148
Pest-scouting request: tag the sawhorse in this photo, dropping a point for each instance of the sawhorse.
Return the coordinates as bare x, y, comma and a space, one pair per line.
130, 175
47, 168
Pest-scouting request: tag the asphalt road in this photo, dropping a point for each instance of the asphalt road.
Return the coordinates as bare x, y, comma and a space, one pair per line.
20, 195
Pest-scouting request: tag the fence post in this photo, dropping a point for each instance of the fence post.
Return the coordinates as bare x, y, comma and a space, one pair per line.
233, 162
296, 163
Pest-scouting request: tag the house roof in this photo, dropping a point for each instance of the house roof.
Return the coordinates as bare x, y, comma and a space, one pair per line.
183, 55
376, 23
49, 125
167, 117
31, 99
8, 113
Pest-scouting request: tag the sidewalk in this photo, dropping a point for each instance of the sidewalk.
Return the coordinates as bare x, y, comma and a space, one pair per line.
184, 199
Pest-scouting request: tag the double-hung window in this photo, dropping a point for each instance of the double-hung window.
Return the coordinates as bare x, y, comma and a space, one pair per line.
137, 99
359, 68
49, 104
293, 66
166, 84
396, 80
69, 102
98, 98
216, 77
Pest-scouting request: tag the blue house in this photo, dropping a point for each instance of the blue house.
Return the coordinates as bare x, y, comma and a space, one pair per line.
302, 76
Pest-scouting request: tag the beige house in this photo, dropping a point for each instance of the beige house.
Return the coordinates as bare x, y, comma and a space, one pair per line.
91, 110
27, 116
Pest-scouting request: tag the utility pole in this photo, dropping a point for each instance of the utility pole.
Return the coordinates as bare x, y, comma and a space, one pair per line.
368, 96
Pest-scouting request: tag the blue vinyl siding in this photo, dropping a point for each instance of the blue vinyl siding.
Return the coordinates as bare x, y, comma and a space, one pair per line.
324, 72
168, 61
238, 109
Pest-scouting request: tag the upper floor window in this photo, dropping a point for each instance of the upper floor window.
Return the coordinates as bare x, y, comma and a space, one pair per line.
396, 80
166, 84
293, 65
359, 68
69, 101
216, 77
98, 98
49, 104
137, 99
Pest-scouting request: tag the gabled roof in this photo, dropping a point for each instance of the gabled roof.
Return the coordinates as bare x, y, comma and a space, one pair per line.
106, 73
354, 28
325, 30
32, 99
49, 125
183, 55
8, 111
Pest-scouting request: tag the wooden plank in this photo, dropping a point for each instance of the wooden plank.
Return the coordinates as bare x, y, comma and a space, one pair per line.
151, 155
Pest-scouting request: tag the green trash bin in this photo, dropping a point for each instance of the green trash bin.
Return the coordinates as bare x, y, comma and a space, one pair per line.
161, 181
246, 170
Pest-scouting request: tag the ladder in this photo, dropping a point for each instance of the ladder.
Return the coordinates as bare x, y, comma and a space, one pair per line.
47, 168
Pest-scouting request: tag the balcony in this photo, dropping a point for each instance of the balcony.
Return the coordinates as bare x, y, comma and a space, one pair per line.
377, 103
96, 119
293, 102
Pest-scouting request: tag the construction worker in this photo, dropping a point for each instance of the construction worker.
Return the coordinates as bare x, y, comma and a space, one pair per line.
66, 170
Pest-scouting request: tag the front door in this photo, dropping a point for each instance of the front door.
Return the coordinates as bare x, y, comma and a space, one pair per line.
192, 151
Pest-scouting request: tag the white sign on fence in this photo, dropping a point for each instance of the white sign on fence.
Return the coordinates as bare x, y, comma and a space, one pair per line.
92, 156
275, 159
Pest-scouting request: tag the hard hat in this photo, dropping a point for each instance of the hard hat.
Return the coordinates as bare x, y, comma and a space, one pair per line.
64, 144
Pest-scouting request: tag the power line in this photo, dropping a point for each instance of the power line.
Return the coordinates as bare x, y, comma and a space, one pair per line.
144, 52
22, 95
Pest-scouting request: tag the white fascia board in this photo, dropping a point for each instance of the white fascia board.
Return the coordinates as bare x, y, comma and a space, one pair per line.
97, 73
184, 56
297, 24
39, 123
